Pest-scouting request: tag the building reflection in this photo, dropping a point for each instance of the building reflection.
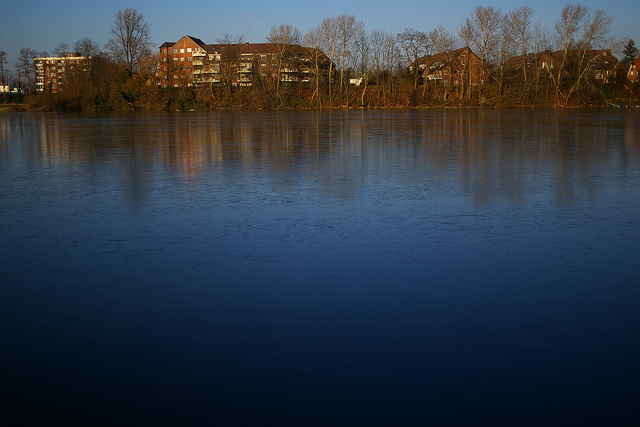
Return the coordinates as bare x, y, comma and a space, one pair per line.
487, 155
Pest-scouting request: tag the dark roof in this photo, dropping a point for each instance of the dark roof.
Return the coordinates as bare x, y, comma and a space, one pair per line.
197, 40
252, 48
443, 57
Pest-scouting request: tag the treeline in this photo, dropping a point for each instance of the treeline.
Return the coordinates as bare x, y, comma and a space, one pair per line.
385, 66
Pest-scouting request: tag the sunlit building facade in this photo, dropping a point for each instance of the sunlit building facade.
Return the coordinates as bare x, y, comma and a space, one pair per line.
52, 72
191, 62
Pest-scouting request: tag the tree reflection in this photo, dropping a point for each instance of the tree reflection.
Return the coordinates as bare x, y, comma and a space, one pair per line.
486, 155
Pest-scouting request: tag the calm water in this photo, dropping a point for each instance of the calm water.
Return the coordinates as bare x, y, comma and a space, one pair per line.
448, 267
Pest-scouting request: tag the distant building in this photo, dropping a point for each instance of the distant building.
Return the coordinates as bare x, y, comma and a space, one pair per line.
632, 73
52, 72
601, 63
191, 62
455, 68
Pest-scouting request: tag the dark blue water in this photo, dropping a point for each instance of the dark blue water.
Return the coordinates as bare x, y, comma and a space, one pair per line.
445, 268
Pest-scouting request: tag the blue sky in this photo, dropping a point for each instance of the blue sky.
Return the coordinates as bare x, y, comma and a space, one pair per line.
42, 25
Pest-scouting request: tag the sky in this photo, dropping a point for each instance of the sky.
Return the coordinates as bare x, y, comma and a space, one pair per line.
43, 24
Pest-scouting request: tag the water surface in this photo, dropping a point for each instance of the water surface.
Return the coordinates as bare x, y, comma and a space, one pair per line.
446, 267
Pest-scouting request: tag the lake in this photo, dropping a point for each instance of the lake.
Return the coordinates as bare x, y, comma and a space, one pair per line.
412, 267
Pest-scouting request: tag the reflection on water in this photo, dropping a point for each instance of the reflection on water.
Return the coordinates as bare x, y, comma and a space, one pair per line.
445, 267
484, 153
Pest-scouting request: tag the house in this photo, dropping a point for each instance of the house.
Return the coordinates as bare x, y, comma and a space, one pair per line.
191, 62
457, 68
601, 63
51, 73
632, 74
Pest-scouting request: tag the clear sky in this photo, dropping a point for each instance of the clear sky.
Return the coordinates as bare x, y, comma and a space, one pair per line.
43, 24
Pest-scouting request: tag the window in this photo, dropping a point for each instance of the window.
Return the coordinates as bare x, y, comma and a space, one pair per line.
175, 50
188, 49
181, 50
189, 58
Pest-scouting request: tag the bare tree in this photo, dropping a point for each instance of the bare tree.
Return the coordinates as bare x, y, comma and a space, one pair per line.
362, 61
362, 55
24, 66
284, 38
328, 31
377, 38
540, 38
577, 32
88, 49
482, 29
131, 43
506, 49
383, 49
566, 28
61, 49
518, 25
594, 35
313, 40
229, 57
414, 43
3, 62
230, 39
348, 32
391, 56
443, 42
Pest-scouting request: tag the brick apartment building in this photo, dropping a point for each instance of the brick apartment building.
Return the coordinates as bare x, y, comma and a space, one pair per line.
191, 62
456, 68
52, 72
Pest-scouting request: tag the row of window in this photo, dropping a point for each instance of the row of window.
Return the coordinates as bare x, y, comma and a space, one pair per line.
217, 56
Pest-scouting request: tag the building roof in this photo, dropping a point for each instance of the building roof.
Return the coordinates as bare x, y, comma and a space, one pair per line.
439, 60
245, 48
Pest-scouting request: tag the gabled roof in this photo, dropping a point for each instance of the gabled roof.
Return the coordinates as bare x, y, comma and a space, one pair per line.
197, 40
532, 58
440, 59
194, 39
